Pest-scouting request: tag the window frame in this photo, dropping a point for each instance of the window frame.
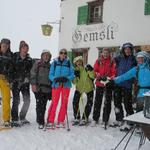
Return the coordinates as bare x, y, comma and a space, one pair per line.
91, 7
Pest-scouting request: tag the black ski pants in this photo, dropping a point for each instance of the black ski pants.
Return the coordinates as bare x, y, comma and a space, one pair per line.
88, 106
122, 95
41, 102
25, 90
98, 102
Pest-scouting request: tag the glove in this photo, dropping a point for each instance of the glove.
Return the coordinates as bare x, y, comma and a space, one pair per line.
110, 84
61, 79
77, 73
64, 79
34, 88
26, 80
89, 67
11, 85
102, 78
57, 79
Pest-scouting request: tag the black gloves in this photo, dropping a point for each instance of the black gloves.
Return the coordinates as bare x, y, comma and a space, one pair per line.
110, 84
77, 73
102, 78
61, 79
89, 67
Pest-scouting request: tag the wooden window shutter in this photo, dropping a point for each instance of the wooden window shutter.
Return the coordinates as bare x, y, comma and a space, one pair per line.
69, 54
82, 15
147, 7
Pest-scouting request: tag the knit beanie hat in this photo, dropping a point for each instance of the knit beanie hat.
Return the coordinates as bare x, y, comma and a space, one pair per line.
46, 51
143, 54
6, 41
77, 59
127, 45
146, 57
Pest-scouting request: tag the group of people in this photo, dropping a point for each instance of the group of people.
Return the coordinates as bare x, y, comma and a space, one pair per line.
15, 77
48, 81
111, 78
122, 78
107, 67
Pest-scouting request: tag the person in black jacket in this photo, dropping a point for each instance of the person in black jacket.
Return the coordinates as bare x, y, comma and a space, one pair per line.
5, 79
21, 83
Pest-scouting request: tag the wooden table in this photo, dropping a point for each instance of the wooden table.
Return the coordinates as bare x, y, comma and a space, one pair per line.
139, 120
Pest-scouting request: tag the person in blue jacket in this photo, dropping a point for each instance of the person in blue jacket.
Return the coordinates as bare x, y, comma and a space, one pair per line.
61, 74
142, 74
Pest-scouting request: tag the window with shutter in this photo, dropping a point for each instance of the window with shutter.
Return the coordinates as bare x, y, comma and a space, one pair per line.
91, 13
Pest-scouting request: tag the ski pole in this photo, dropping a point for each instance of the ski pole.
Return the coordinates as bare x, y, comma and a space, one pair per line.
68, 128
105, 105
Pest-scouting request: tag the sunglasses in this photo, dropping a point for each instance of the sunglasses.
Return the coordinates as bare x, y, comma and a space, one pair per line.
65, 53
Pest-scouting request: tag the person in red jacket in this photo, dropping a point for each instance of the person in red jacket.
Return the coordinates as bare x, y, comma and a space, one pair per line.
104, 67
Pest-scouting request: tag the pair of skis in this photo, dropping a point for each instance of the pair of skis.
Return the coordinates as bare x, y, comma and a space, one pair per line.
2, 128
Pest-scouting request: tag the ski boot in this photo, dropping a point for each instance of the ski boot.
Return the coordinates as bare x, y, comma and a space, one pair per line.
7, 124
15, 124
41, 126
50, 125
60, 125
75, 122
94, 123
83, 122
25, 122
116, 124
125, 128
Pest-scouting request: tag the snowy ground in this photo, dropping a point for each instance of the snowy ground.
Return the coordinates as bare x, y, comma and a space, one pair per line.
79, 138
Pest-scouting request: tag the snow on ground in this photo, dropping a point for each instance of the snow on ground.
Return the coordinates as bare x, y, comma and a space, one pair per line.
79, 138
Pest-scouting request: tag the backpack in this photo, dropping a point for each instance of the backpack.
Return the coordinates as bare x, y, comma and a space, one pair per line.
39, 64
67, 65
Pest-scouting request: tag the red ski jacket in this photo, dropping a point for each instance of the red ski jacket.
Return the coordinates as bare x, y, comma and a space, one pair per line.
104, 68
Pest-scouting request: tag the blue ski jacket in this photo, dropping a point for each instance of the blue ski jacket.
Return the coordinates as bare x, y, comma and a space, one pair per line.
143, 78
61, 69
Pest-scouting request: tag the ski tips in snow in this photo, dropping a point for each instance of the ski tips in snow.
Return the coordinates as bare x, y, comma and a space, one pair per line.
3, 128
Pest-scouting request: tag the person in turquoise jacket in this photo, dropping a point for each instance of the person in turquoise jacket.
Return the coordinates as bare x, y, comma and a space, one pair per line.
61, 74
142, 74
